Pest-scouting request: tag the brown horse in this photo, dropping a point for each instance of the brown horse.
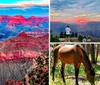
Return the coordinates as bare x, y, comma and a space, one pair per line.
73, 54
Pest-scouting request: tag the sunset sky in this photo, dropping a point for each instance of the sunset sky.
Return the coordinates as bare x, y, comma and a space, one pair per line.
26, 8
75, 10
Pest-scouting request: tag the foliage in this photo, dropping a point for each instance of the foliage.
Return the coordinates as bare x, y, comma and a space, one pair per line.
54, 38
72, 34
39, 73
80, 37
76, 34
61, 35
13, 82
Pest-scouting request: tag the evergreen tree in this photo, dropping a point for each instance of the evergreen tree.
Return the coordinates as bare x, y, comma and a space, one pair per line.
64, 34
72, 34
61, 35
76, 34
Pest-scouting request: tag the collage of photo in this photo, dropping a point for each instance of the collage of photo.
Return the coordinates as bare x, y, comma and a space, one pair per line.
49, 42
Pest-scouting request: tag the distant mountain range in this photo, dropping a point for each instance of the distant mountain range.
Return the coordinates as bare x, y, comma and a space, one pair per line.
11, 26
88, 29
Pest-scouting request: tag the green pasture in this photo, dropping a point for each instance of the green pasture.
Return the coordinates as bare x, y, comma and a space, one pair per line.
70, 76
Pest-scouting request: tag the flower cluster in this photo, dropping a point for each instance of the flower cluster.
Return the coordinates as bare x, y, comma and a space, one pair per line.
39, 73
13, 82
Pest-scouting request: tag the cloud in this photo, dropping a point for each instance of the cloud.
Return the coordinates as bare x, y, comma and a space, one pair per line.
69, 4
70, 9
25, 3
26, 8
54, 14
97, 15
60, 4
81, 15
25, 11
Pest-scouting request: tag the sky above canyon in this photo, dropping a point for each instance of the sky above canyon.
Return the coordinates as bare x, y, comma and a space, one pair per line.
26, 8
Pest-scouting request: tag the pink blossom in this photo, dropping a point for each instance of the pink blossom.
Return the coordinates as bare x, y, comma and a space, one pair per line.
20, 83
41, 56
13, 82
44, 62
45, 68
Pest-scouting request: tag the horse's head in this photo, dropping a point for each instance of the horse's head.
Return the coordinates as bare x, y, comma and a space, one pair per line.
91, 76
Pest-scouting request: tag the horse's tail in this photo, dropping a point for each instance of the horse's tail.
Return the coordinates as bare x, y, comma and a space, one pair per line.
55, 60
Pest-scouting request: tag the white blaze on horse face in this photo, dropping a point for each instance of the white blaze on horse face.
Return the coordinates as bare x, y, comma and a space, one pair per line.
67, 47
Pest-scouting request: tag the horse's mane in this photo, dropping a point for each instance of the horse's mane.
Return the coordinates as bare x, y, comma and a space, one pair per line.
87, 58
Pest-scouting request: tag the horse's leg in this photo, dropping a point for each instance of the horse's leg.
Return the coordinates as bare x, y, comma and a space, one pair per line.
55, 54
77, 66
62, 71
53, 68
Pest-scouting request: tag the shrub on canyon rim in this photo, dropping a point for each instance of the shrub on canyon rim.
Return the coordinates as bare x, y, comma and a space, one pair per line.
13, 82
39, 73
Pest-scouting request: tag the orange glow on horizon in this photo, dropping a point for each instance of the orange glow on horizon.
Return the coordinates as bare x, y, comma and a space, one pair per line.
81, 20
64, 21
78, 20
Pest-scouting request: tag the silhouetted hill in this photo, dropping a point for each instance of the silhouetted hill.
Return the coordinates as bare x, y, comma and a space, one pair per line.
89, 29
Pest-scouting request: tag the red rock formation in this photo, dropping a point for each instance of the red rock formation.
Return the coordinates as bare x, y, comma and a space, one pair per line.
23, 46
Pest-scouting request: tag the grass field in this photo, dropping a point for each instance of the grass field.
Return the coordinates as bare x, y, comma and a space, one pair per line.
70, 77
